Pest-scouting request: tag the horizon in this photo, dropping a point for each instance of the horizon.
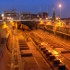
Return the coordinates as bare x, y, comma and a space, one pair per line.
36, 6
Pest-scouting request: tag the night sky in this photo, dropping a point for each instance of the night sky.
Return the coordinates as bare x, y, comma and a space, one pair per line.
35, 6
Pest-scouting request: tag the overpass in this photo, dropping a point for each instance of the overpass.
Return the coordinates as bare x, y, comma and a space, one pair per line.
30, 23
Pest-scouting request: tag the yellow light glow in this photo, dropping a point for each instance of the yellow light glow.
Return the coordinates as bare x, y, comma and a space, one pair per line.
41, 22
16, 25
12, 23
4, 25
48, 23
60, 60
49, 50
55, 53
58, 24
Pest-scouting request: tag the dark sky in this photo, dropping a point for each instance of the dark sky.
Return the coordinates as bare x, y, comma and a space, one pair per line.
36, 5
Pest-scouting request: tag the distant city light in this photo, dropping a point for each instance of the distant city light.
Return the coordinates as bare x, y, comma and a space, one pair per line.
2, 15
46, 18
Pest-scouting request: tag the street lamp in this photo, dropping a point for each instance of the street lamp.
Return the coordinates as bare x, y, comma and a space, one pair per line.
2, 15
60, 6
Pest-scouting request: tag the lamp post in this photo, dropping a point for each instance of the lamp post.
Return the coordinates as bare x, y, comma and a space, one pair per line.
60, 6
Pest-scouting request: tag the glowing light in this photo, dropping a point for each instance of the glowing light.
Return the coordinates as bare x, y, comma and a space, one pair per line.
12, 22
49, 50
2, 15
41, 22
4, 25
60, 60
55, 53
43, 43
60, 5
16, 25
48, 23
46, 18
58, 24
